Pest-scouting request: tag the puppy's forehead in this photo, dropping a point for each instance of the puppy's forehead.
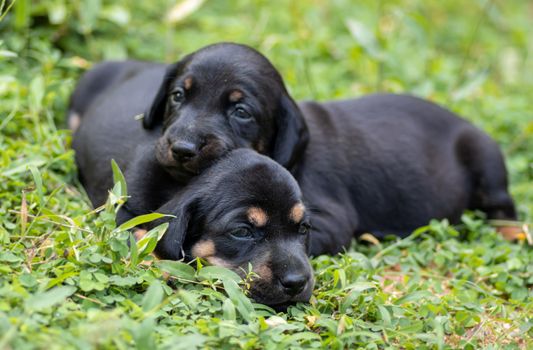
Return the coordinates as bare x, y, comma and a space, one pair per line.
250, 180
231, 65
253, 175
232, 53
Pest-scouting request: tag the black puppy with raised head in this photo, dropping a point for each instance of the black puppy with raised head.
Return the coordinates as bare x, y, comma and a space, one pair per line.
382, 163
222, 97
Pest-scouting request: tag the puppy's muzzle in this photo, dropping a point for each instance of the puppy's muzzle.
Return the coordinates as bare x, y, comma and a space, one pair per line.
183, 151
184, 157
294, 283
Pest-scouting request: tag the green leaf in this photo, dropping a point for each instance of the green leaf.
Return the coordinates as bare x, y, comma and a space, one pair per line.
187, 342
139, 220
57, 12
22, 13
414, 296
385, 315
37, 90
125, 281
473, 84
438, 325
241, 302
118, 177
38, 183
153, 296
360, 286
117, 14
365, 38
28, 280
189, 298
22, 166
229, 310
144, 334
88, 14
134, 252
218, 272
147, 244
49, 298
299, 338
177, 269
10, 257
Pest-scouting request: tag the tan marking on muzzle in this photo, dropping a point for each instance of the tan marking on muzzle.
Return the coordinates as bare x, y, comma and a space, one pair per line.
203, 249
260, 146
261, 266
74, 121
187, 83
297, 212
235, 96
257, 216
216, 261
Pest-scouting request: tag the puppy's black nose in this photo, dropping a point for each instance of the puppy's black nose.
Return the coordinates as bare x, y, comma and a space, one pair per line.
293, 283
183, 151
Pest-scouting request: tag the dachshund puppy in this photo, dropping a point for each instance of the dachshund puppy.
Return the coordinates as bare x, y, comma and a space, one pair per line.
222, 97
382, 163
244, 209
387, 164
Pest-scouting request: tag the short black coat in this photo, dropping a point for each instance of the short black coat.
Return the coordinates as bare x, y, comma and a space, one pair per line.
382, 163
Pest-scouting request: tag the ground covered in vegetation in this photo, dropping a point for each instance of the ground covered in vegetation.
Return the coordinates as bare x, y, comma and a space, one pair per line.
67, 276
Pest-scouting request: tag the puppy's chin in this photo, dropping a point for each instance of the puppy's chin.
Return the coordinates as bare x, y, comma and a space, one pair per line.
179, 174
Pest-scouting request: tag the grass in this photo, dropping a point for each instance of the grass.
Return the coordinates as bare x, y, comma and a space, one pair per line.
67, 276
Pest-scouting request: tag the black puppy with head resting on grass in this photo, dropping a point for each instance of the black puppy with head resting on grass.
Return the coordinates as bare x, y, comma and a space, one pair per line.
244, 209
381, 164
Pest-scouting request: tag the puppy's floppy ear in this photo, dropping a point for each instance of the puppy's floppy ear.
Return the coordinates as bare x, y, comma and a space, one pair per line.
170, 245
155, 112
291, 136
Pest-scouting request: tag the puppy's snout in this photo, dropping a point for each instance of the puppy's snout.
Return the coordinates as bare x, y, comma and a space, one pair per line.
294, 283
184, 151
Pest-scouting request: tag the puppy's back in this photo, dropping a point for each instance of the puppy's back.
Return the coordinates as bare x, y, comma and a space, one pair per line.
95, 82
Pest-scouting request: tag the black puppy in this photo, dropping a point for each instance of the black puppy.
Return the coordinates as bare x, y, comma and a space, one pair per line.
244, 209
381, 164
390, 163
222, 97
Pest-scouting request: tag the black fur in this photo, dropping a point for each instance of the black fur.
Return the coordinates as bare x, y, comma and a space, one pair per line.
382, 163
390, 163
205, 122
214, 205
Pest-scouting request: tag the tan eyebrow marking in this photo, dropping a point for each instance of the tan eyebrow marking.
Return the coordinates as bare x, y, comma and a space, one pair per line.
187, 83
297, 212
257, 216
203, 249
235, 95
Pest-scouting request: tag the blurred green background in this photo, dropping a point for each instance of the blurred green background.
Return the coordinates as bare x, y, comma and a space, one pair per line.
474, 57
436, 291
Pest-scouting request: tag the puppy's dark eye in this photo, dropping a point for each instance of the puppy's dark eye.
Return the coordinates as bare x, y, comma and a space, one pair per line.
242, 234
178, 96
304, 228
241, 113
